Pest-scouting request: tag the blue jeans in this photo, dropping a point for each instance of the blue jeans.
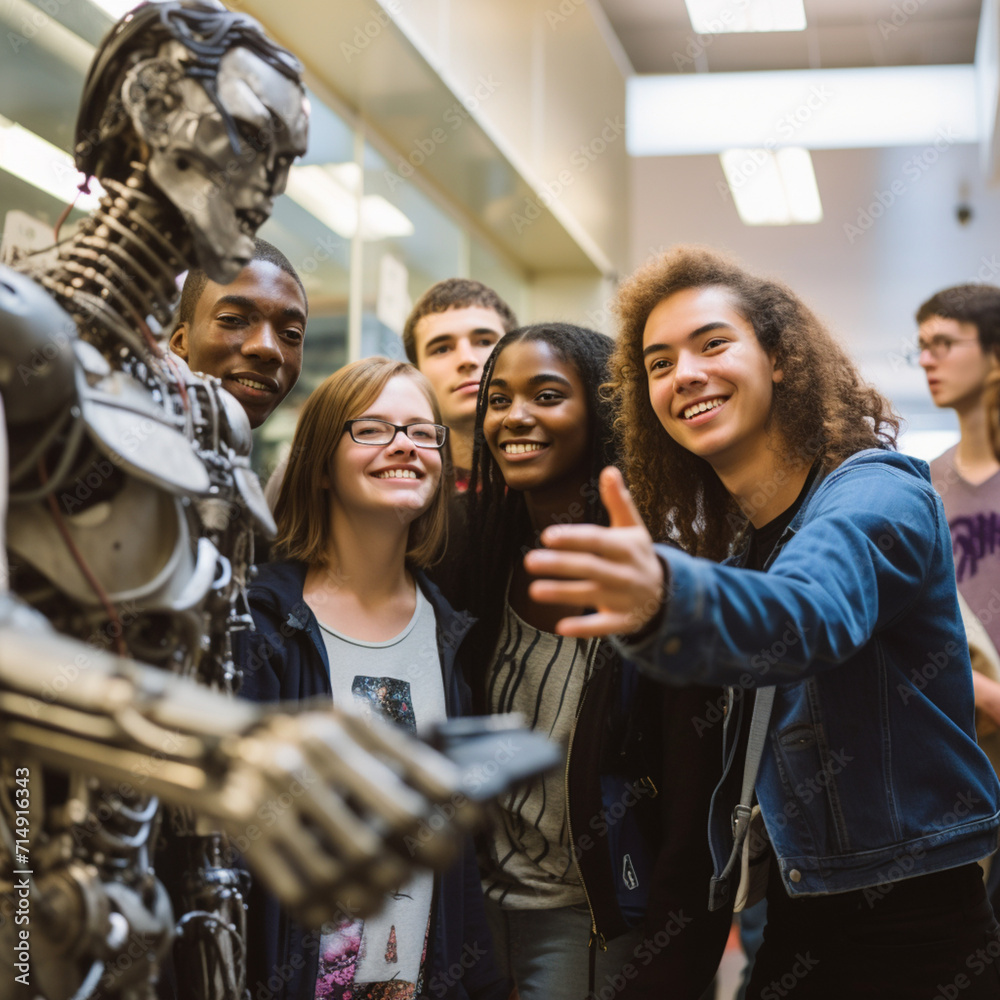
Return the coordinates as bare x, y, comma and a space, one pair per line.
545, 952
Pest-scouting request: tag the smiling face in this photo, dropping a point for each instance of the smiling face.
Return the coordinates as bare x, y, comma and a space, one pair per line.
710, 382
399, 477
451, 349
957, 378
536, 423
249, 334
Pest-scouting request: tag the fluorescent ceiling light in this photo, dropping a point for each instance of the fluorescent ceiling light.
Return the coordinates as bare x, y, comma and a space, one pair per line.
329, 192
46, 167
772, 188
714, 17
689, 113
381, 220
319, 192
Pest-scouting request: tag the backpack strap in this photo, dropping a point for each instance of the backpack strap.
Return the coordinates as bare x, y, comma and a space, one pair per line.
720, 887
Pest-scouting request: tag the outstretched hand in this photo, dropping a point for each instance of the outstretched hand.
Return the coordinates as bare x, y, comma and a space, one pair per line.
613, 569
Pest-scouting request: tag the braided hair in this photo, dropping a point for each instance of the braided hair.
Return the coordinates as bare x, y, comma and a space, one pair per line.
500, 531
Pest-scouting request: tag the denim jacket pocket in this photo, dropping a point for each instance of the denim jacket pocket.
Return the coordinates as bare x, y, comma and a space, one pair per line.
808, 771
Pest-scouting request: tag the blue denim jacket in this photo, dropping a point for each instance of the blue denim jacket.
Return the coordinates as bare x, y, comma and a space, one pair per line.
870, 772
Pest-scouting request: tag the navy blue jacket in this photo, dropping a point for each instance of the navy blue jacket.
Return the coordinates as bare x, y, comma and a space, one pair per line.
285, 660
640, 770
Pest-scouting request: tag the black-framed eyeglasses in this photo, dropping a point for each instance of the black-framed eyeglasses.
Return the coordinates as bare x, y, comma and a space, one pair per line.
939, 346
368, 430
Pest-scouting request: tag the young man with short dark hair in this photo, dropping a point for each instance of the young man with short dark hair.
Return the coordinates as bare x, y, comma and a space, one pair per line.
958, 346
959, 334
248, 333
448, 335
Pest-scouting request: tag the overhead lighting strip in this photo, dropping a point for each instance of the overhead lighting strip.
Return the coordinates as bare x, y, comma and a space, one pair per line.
716, 17
691, 113
773, 188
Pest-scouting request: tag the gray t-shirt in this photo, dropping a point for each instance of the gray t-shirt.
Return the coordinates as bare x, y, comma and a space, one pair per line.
973, 514
541, 675
400, 680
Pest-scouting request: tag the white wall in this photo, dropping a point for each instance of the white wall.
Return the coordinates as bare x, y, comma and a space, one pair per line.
865, 284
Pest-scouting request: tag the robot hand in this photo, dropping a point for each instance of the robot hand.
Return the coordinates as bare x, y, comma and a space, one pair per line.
332, 810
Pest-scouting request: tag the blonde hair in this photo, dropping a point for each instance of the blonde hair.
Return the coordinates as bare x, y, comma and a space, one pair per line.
302, 510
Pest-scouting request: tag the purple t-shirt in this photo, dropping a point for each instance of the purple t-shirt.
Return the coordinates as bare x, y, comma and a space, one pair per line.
973, 514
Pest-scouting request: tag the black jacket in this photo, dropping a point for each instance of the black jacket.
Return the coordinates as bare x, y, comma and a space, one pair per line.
640, 770
285, 660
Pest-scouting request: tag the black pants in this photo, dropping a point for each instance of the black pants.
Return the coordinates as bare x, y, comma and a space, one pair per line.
932, 937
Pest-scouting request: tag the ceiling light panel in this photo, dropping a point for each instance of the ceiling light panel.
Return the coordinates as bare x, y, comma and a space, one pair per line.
689, 113
716, 17
772, 188
330, 193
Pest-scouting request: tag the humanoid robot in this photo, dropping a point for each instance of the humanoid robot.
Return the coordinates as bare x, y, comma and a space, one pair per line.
130, 511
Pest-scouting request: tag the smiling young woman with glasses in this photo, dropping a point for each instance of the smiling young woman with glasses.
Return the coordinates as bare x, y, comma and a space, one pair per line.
349, 614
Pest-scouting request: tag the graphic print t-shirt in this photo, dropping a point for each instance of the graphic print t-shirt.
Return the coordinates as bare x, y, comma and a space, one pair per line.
973, 514
382, 958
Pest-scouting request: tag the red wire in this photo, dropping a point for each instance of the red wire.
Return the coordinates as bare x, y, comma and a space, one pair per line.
65, 213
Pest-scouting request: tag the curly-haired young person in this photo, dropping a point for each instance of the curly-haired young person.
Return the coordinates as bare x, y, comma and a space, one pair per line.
749, 434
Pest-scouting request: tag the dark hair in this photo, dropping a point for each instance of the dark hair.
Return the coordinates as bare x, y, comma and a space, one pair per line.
500, 515
454, 293
197, 279
105, 140
978, 304
823, 409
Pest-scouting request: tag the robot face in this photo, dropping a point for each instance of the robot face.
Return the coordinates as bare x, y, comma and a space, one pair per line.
224, 196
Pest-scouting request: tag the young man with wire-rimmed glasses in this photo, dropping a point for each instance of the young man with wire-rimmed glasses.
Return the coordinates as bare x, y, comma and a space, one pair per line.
958, 345
959, 333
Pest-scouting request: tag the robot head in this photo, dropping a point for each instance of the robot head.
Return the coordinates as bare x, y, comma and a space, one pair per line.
214, 108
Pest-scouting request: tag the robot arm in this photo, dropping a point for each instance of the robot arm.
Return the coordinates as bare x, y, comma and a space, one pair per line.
325, 806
